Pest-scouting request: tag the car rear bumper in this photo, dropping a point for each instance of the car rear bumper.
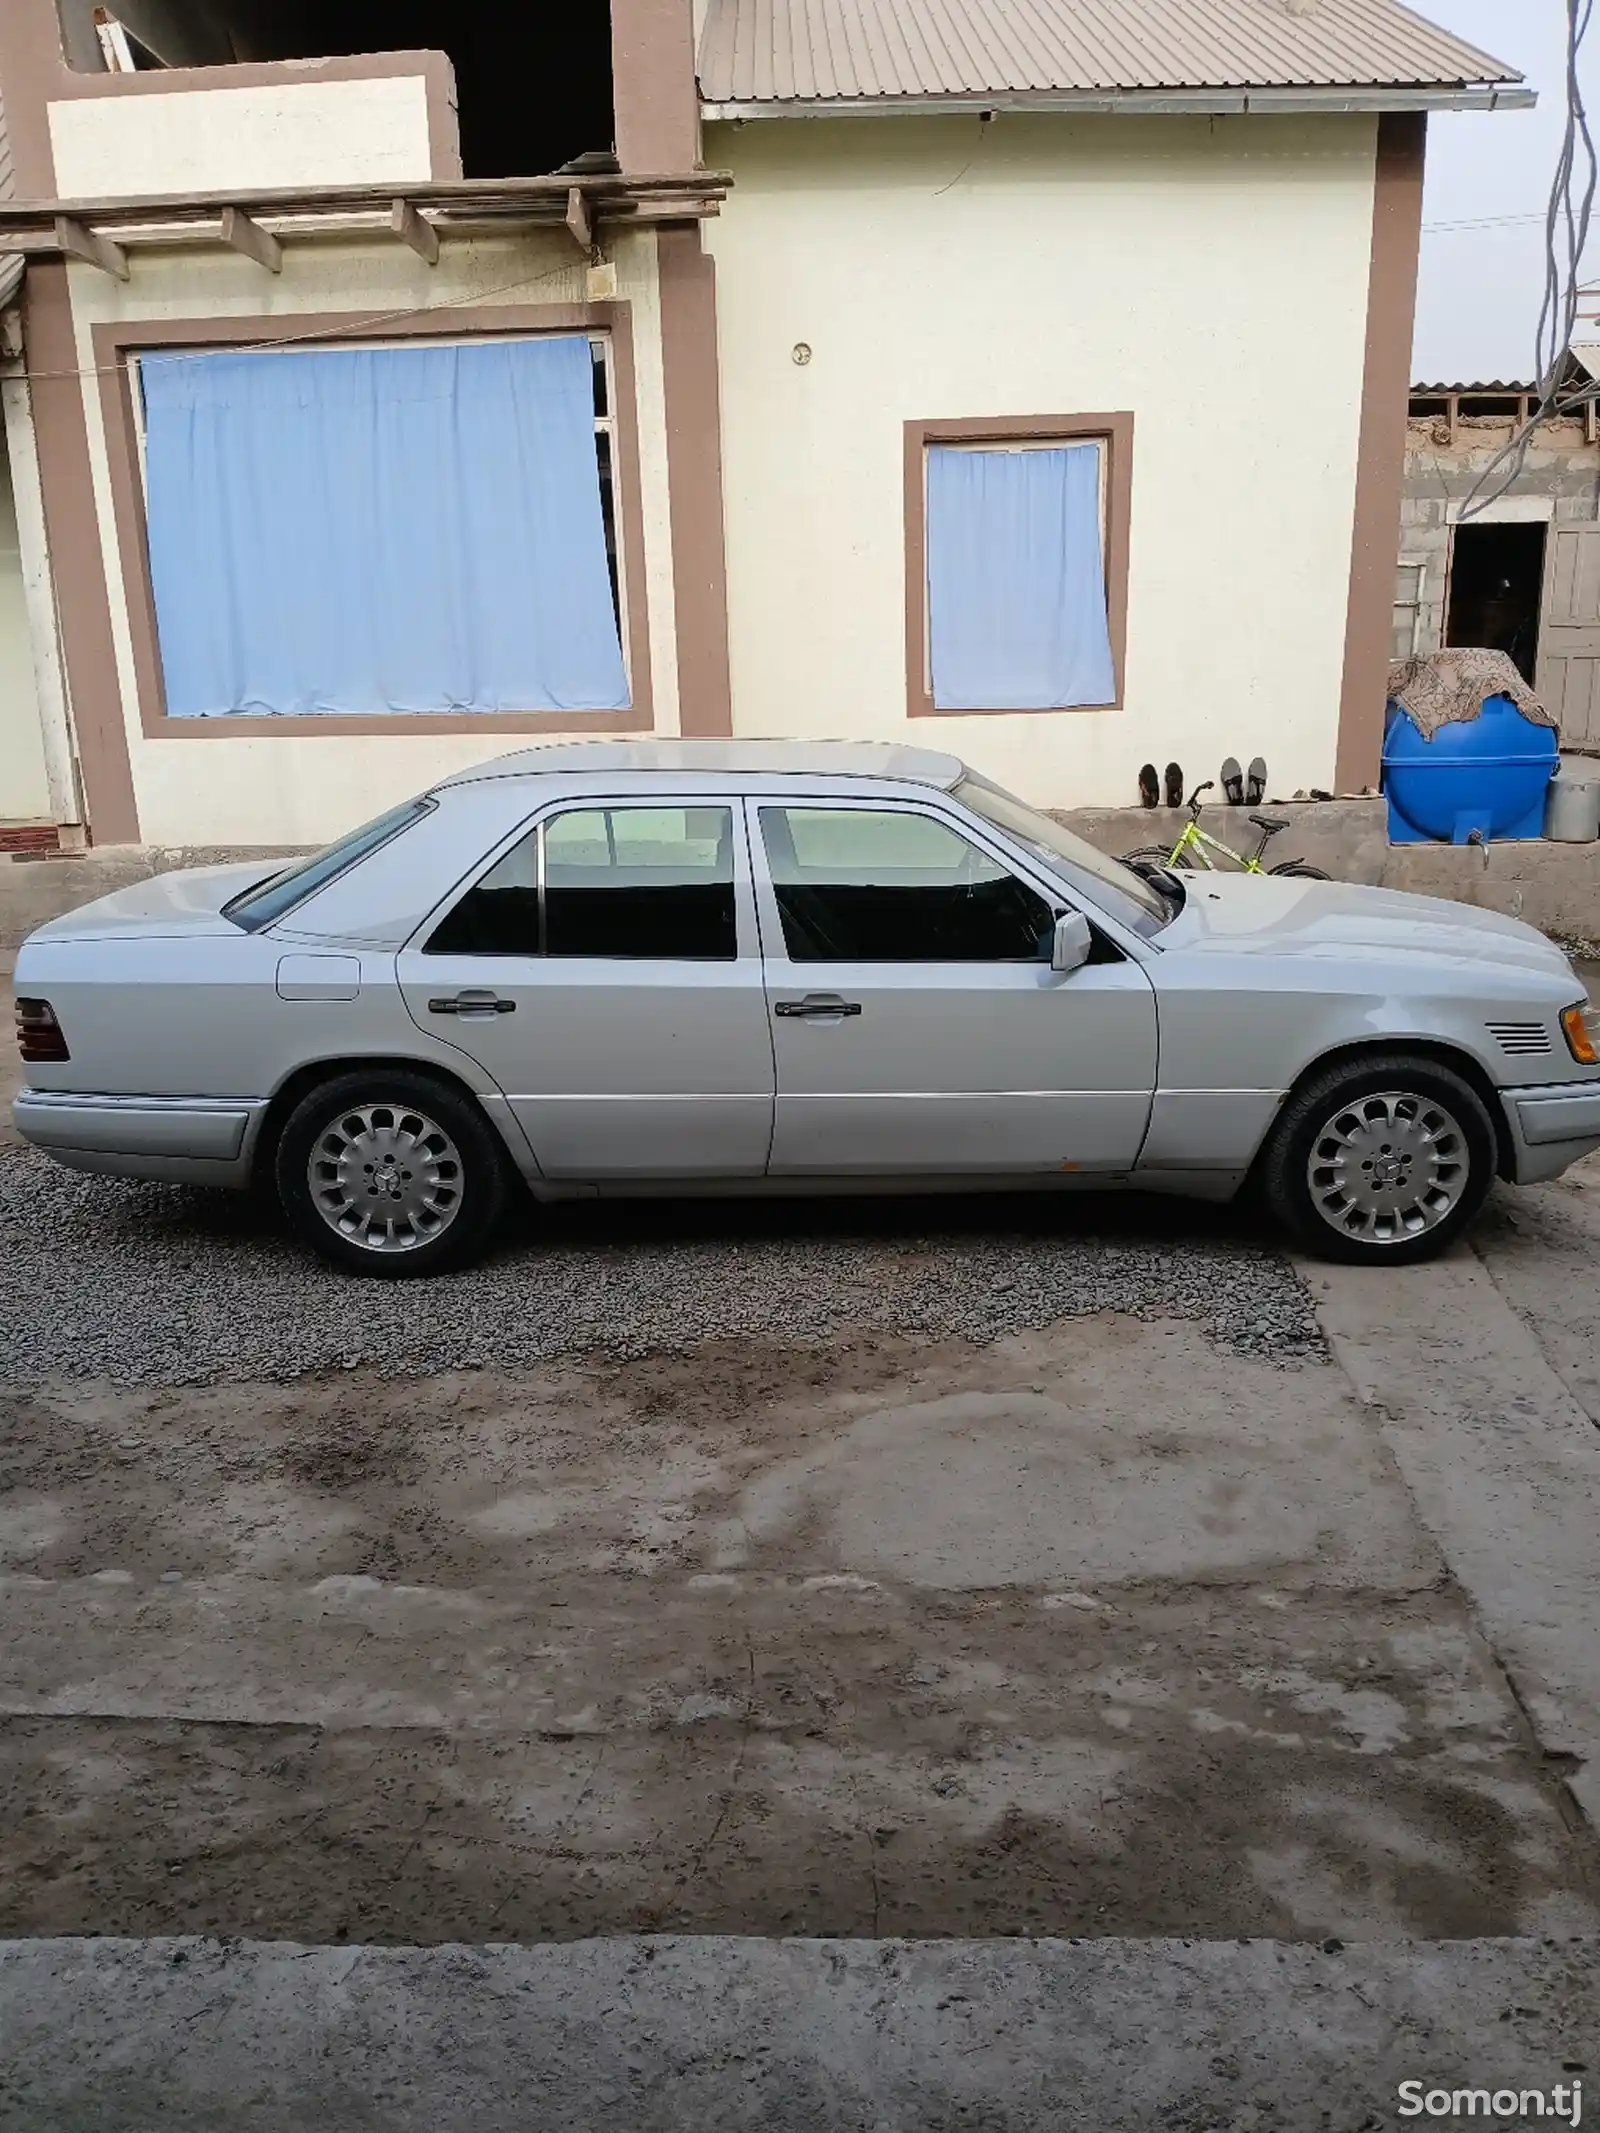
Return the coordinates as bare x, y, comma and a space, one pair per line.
1552, 1127
180, 1139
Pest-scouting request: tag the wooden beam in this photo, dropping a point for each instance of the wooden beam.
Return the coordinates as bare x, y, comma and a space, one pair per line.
578, 220
246, 235
415, 230
78, 241
455, 195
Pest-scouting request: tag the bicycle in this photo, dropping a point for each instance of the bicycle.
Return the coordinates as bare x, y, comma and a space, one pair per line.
1193, 850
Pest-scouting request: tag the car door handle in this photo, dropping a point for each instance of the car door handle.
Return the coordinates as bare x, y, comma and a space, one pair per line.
820, 1004
473, 1003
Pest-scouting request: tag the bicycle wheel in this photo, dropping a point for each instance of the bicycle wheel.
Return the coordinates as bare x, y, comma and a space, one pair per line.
1298, 867
1157, 855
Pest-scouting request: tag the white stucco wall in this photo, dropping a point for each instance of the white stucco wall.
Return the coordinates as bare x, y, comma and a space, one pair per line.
24, 781
1208, 274
306, 788
372, 132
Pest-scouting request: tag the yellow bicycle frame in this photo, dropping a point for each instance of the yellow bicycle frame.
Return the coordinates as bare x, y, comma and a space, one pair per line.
1196, 840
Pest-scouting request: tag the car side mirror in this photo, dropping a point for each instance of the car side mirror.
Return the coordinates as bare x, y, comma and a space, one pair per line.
1073, 943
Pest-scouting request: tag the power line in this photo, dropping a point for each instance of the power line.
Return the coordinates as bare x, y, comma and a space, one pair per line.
1482, 222
1566, 220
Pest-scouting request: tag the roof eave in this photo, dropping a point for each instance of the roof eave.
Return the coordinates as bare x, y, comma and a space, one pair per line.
1460, 96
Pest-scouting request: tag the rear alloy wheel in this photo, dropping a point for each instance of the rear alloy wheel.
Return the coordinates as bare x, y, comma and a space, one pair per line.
1381, 1161
391, 1174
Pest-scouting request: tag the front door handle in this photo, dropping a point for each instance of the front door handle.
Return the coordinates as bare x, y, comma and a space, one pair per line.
472, 1003
825, 1006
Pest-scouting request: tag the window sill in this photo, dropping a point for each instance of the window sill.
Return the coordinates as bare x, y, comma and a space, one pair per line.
928, 709
633, 720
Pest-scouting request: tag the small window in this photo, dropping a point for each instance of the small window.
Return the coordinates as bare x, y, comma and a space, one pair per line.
653, 883
862, 885
259, 907
1018, 615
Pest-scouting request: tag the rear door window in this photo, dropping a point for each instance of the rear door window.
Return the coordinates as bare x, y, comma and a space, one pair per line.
653, 883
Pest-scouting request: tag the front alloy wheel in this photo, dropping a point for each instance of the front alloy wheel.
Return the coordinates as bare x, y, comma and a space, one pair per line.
1388, 1167
1381, 1160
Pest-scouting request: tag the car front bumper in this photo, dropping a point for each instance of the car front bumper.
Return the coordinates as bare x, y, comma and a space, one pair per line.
1551, 1127
180, 1140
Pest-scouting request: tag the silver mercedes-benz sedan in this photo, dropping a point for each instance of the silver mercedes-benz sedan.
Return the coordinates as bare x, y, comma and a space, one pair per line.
780, 967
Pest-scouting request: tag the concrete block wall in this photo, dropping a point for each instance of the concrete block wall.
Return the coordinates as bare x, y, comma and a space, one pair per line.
1562, 467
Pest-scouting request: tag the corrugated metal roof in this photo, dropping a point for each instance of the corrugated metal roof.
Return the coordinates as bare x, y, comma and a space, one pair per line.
8, 180
13, 266
808, 51
1473, 385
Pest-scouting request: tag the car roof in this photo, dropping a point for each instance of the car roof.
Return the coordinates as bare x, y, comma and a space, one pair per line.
831, 759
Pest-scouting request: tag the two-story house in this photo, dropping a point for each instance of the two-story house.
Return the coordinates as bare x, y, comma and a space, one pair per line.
875, 368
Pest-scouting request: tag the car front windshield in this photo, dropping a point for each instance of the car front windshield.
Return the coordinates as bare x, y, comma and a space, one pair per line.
1118, 890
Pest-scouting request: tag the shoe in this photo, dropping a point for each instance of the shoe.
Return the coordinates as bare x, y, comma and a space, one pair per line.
1255, 781
1174, 785
1149, 786
1232, 782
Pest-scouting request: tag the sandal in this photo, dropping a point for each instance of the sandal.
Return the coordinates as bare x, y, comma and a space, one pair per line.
1174, 785
1256, 781
1149, 786
1232, 782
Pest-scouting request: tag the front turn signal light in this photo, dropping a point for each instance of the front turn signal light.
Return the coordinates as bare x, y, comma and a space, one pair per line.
1576, 1031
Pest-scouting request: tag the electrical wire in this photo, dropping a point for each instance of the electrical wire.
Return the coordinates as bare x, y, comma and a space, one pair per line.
1480, 222
1567, 217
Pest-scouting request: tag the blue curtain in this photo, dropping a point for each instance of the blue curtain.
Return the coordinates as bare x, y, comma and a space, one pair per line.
1016, 580
380, 530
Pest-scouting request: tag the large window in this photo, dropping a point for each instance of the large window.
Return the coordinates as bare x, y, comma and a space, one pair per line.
1017, 563
867, 885
384, 530
652, 882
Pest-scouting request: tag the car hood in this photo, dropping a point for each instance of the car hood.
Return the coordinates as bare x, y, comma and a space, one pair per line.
1269, 915
187, 901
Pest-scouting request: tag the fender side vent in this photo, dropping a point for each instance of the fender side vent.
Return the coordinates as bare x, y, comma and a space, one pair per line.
1521, 1040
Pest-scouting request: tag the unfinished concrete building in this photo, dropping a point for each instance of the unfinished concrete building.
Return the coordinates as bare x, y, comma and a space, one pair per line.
1521, 572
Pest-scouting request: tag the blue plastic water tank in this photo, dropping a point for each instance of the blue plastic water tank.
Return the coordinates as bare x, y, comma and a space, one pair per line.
1487, 774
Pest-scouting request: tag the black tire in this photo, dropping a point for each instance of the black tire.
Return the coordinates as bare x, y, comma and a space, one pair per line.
1314, 1114
467, 1188
1156, 855
1298, 867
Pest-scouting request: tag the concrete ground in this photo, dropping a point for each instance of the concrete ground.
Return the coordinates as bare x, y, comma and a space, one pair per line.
1201, 1734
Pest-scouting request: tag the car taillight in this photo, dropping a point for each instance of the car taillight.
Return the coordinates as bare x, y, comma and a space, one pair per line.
39, 1035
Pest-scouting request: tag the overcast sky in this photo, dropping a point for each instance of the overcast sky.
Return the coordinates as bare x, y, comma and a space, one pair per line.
1478, 303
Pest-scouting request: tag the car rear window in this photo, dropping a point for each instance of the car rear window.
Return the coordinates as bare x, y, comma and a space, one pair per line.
268, 901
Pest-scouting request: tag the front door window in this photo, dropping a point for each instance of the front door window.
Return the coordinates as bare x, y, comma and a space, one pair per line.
866, 885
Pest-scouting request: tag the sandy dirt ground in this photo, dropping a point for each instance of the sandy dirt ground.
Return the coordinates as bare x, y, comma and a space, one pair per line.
1095, 1630
1088, 1632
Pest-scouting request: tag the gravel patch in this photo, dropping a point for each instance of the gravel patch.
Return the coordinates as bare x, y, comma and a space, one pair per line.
146, 1284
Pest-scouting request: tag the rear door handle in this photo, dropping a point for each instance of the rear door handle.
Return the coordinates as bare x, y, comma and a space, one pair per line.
822, 1005
473, 1003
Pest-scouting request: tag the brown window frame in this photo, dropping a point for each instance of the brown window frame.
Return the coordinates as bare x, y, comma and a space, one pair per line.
1114, 434
114, 344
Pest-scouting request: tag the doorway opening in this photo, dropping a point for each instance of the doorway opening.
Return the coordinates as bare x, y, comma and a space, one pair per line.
1496, 585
